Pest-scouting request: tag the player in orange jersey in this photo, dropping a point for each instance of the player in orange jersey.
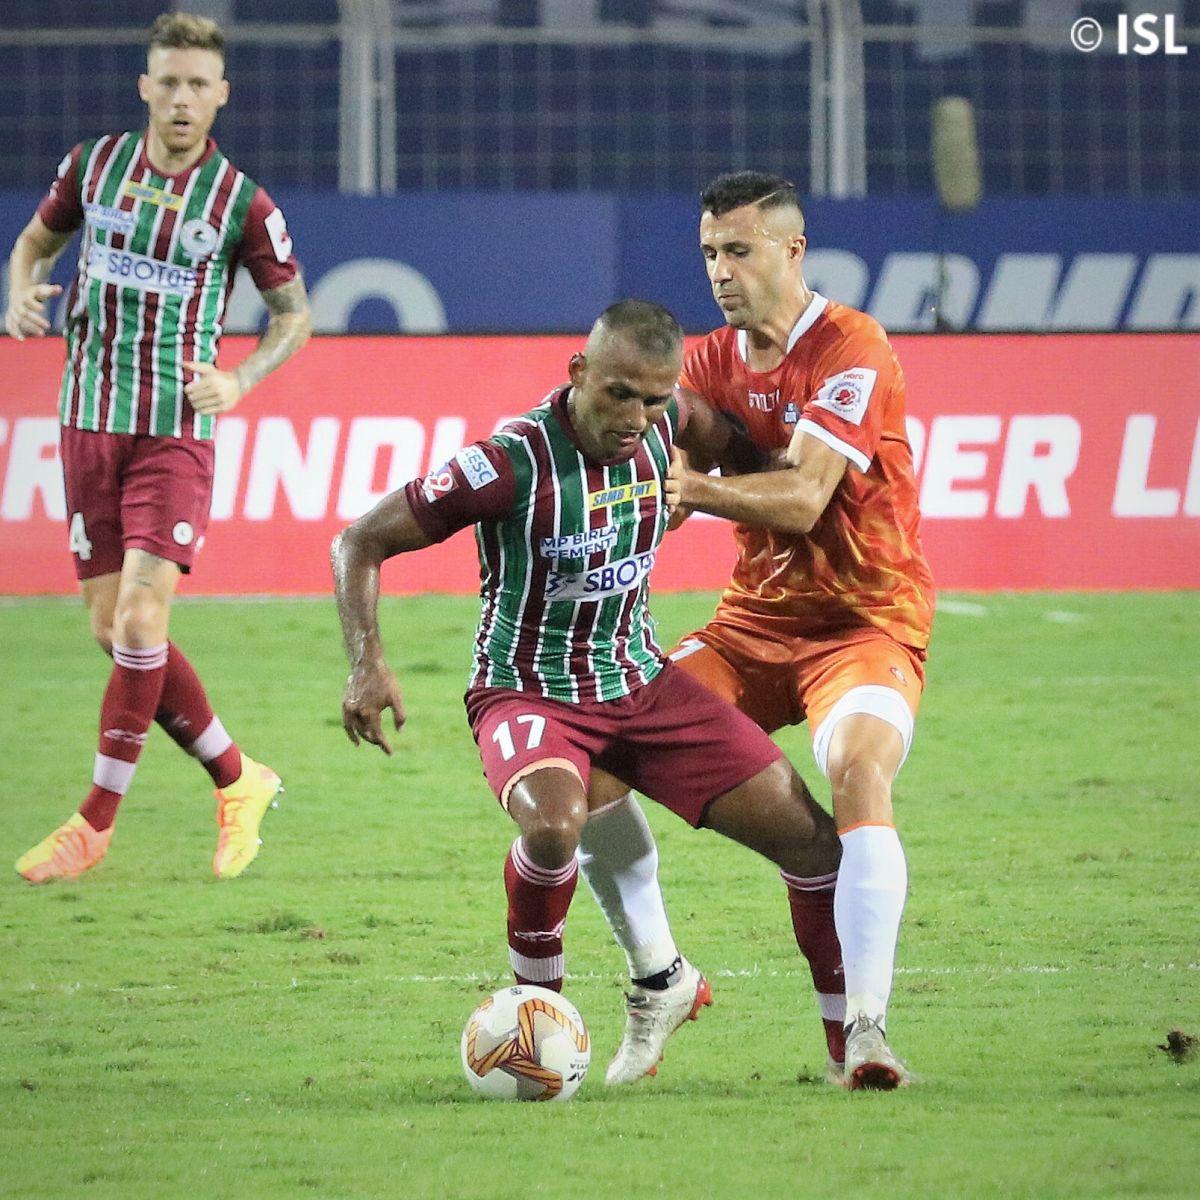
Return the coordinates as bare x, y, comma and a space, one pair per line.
827, 616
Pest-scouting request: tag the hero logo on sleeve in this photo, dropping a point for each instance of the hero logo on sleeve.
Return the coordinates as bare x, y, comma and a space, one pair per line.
438, 483
847, 394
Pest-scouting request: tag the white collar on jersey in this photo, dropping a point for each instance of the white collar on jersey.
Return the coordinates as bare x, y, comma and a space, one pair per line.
806, 320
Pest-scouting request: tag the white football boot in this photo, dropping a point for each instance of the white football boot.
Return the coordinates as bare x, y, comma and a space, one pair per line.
651, 1017
871, 1064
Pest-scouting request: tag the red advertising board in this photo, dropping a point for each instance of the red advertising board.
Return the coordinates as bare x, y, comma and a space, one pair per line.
1045, 461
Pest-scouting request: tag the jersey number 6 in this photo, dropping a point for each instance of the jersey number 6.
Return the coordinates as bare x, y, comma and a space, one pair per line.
503, 737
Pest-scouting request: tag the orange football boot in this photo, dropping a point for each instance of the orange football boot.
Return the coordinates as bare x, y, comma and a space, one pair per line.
71, 849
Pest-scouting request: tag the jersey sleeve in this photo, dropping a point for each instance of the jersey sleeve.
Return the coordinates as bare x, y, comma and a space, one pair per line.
477, 484
853, 381
694, 376
266, 245
61, 209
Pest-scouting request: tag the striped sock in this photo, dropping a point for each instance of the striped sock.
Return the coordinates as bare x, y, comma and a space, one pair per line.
811, 902
538, 900
130, 702
184, 712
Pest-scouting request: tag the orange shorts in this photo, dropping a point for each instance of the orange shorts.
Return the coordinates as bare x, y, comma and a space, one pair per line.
778, 678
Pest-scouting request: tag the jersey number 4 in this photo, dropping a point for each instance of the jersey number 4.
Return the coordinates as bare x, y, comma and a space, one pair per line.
78, 539
503, 737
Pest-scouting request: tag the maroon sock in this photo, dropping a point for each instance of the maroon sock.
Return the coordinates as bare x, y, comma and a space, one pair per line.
184, 712
811, 902
538, 900
129, 704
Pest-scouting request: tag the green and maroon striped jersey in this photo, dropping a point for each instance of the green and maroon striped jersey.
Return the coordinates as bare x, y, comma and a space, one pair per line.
156, 265
565, 550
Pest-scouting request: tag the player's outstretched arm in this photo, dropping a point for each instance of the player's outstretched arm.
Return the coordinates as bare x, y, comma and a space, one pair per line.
33, 256
710, 439
356, 555
288, 328
788, 500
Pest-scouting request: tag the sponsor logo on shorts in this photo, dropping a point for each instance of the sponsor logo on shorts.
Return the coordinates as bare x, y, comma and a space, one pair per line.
152, 195
476, 467
579, 545
618, 495
847, 394
598, 584
183, 533
112, 220
438, 483
197, 238
139, 271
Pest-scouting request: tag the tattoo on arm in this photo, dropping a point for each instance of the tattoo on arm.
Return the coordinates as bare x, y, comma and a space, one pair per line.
287, 330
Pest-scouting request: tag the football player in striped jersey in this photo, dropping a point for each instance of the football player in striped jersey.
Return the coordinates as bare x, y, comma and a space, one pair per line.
166, 221
569, 505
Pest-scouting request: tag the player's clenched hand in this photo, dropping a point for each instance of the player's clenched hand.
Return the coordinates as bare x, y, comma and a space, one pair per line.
369, 690
676, 479
213, 390
26, 315
673, 484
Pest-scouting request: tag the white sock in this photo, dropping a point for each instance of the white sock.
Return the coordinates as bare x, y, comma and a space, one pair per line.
871, 886
619, 860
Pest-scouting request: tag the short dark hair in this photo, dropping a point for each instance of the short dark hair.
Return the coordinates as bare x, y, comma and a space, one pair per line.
653, 329
738, 188
186, 31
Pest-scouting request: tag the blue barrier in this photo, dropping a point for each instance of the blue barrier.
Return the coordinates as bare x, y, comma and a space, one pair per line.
550, 262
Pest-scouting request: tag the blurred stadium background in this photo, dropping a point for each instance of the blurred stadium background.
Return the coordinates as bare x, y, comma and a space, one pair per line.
386, 96
510, 167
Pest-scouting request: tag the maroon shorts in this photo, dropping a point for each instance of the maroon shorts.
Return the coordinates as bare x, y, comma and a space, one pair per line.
672, 740
130, 491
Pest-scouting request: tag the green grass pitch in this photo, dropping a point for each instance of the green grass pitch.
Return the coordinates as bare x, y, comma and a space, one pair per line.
295, 1032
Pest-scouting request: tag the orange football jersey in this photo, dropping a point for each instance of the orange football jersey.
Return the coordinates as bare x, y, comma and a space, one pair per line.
862, 561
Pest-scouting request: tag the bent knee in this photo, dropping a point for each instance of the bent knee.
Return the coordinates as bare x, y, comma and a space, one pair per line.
140, 620
551, 839
856, 775
103, 633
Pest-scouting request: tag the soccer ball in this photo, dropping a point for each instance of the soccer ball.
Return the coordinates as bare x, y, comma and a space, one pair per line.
526, 1043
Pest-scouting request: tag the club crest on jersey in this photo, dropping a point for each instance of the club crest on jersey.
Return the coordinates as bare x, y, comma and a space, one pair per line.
625, 491
579, 545
847, 394
153, 195
601, 582
197, 238
791, 413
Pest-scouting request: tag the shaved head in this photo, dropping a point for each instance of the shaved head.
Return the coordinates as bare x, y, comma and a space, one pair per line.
650, 328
